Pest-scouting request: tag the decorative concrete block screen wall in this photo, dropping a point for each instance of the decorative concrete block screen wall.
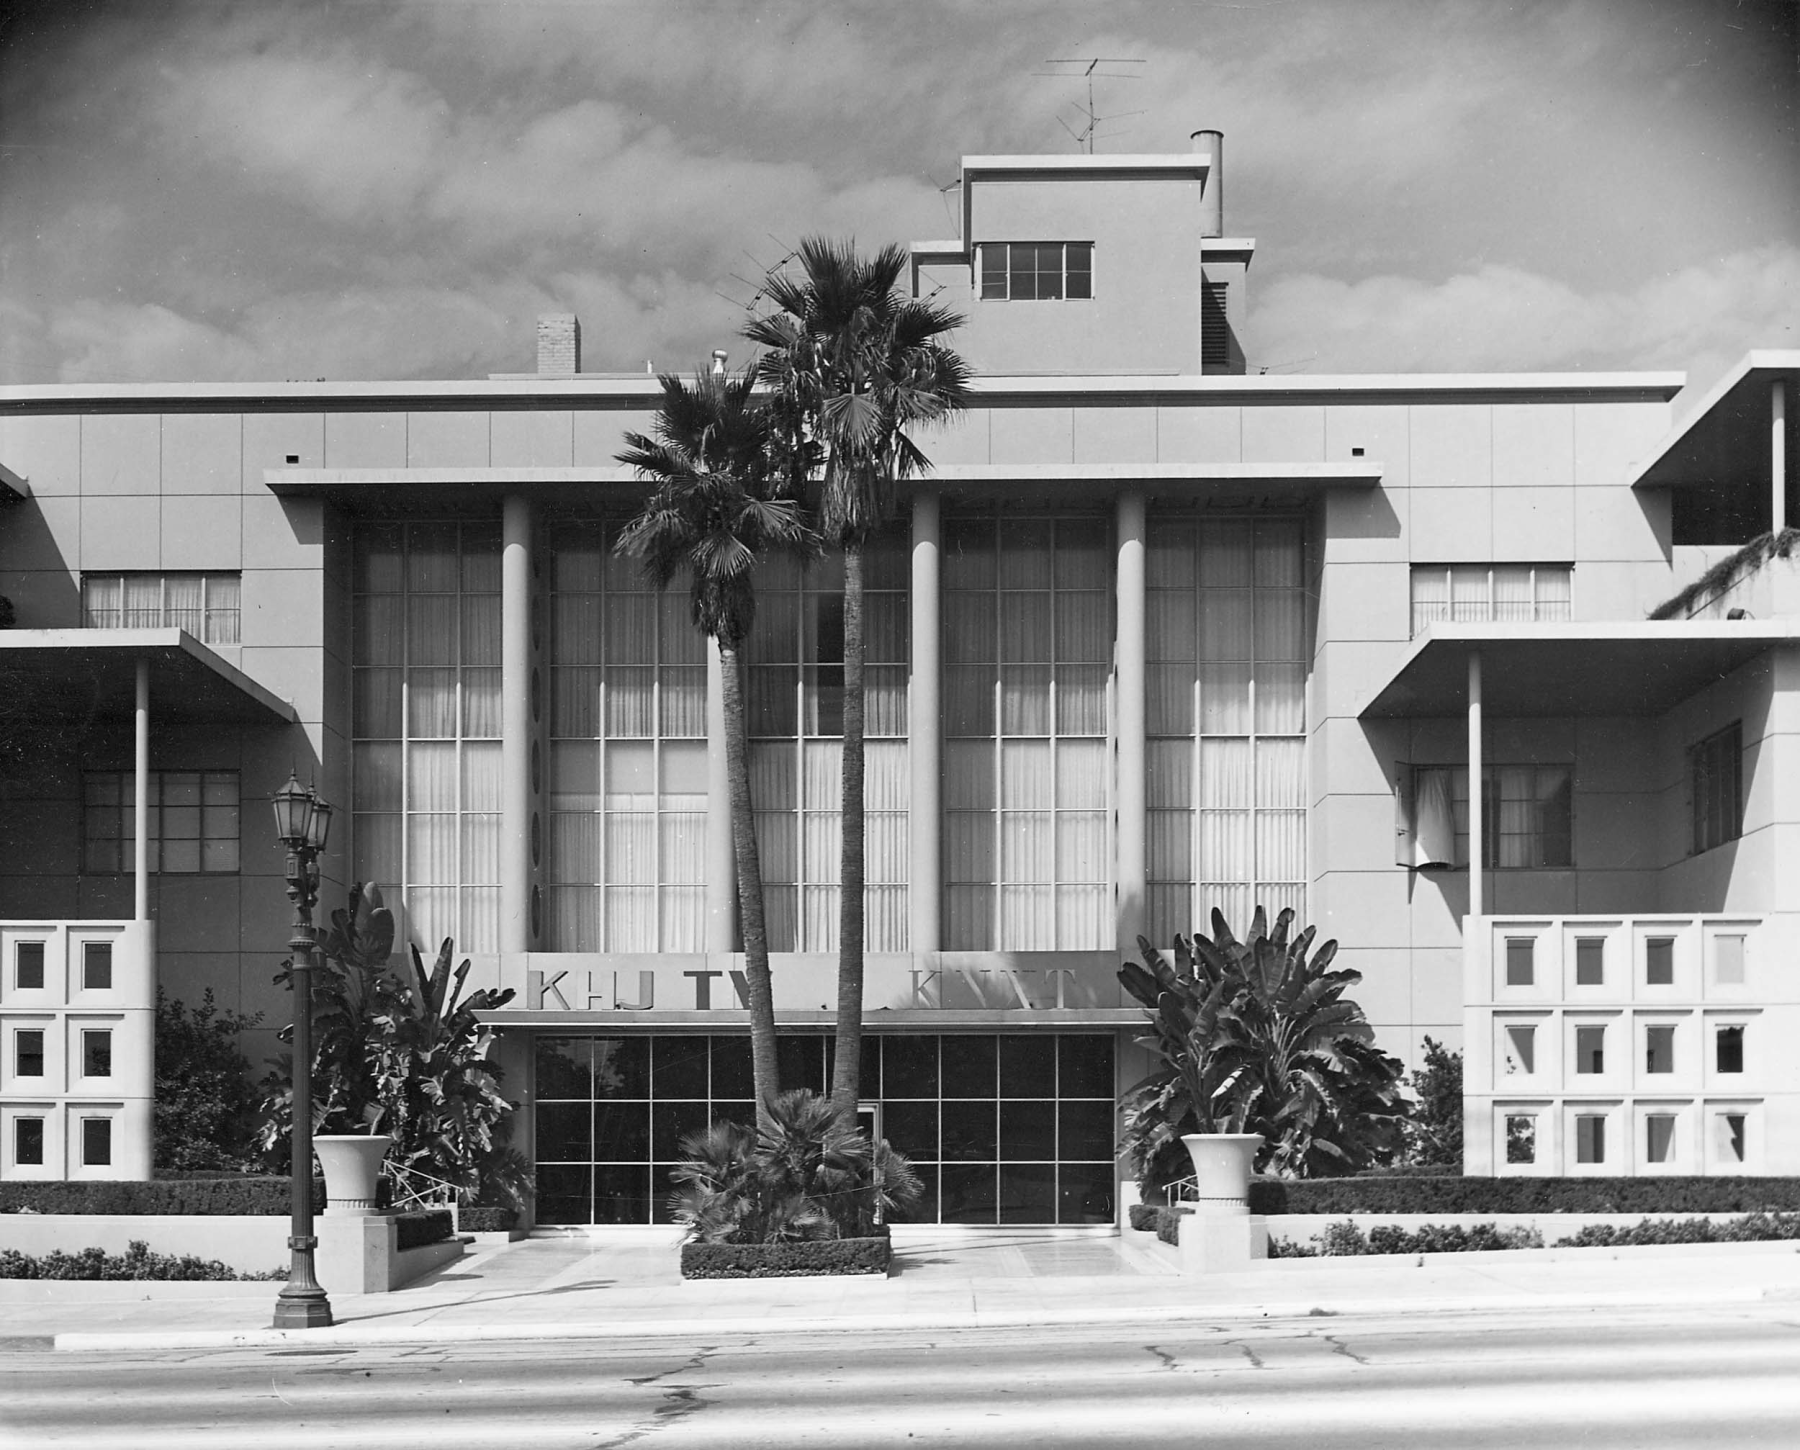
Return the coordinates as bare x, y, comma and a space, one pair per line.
77, 1029
1628, 1045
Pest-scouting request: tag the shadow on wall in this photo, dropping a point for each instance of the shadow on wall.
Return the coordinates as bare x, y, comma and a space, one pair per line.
47, 595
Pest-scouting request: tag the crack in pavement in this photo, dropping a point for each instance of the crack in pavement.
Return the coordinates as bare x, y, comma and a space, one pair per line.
1168, 1360
1339, 1347
1249, 1353
679, 1401
695, 1361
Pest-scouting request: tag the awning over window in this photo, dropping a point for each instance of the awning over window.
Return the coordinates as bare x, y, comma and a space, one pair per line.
1623, 668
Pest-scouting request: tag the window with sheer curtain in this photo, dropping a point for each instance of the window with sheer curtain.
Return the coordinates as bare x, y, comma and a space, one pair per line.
1527, 812
1226, 718
626, 796
1027, 651
205, 605
1477, 593
426, 724
796, 708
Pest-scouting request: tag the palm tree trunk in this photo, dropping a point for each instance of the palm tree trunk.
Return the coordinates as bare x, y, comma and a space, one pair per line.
846, 1075
750, 888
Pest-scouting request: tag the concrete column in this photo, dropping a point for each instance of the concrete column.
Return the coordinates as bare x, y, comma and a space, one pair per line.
721, 861
1133, 879
140, 797
515, 725
1476, 832
1778, 454
924, 914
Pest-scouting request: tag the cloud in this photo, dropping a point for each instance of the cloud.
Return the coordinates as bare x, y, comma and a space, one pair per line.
1502, 318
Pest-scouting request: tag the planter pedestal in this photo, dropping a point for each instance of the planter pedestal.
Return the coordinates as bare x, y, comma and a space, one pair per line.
1221, 1235
352, 1164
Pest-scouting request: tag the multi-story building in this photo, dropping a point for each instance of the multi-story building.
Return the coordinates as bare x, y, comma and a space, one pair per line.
1156, 634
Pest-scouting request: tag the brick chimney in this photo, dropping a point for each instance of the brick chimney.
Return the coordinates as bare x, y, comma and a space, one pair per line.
558, 344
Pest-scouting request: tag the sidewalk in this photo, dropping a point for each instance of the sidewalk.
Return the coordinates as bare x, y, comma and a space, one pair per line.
606, 1288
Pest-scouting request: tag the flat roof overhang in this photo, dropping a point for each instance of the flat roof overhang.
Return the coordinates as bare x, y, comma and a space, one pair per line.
379, 489
86, 673
1725, 439
13, 489
1535, 670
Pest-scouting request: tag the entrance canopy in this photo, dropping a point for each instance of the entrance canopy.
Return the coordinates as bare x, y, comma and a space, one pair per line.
1622, 668
88, 673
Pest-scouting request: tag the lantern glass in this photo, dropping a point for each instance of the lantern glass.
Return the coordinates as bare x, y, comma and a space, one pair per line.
293, 805
318, 824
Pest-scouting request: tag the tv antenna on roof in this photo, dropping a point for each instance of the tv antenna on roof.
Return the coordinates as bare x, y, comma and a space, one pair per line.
1090, 69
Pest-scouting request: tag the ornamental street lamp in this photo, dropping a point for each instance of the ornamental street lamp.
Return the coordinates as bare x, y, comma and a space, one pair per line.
302, 821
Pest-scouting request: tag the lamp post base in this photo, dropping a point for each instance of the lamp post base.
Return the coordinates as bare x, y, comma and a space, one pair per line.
302, 1310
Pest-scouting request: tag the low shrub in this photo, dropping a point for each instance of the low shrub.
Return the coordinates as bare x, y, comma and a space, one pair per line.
137, 1262
1345, 1239
1143, 1216
416, 1230
487, 1220
1168, 1222
1752, 1228
254, 1196
794, 1259
1450, 1194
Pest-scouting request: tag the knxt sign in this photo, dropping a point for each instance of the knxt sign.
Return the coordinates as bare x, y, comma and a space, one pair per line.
993, 982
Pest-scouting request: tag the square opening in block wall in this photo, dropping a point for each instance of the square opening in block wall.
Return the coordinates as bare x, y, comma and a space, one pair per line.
1728, 961
97, 966
28, 1142
1590, 1049
1729, 1050
1521, 955
1590, 961
28, 1052
28, 966
1521, 1049
96, 1142
1659, 1049
1590, 1138
1659, 961
1521, 1138
1659, 1138
1731, 1136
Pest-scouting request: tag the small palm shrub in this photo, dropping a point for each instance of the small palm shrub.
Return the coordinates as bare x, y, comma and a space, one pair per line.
805, 1175
1256, 1036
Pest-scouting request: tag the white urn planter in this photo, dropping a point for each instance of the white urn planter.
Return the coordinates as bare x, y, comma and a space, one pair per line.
1222, 1167
352, 1164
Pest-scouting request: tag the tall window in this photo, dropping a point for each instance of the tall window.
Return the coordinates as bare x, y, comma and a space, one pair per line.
426, 724
193, 821
796, 706
1227, 718
1477, 593
627, 788
1527, 813
205, 605
1037, 271
1027, 773
1716, 773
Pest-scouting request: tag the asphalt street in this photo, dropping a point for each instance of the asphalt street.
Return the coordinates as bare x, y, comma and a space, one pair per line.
1593, 1378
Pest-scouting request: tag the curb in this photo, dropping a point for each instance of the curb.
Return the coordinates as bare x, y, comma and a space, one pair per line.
353, 1336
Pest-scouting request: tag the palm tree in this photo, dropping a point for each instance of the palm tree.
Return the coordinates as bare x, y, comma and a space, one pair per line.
852, 366
710, 516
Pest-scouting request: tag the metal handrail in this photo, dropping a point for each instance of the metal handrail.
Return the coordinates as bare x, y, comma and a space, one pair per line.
414, 1186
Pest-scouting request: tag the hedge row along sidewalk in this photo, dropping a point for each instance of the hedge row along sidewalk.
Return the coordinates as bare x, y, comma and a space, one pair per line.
194, 1197
1422, 1194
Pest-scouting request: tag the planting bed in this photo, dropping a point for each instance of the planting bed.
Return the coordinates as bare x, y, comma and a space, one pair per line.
786, 1261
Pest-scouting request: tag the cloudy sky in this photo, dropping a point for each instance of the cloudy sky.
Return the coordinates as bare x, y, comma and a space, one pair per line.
234, 189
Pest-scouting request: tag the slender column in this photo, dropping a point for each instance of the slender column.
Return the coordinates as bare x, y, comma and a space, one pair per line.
721, 863
1778, 454
140, 797
1134, 888
515, 725
924, 713
1476, 831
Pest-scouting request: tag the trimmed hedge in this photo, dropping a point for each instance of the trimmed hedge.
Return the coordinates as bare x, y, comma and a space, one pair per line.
1752, 1228
786, 1261
1168, 1223
416, 1230
137, 1262
1143, 1216
488, 1220
255, 1196
1524, 1195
